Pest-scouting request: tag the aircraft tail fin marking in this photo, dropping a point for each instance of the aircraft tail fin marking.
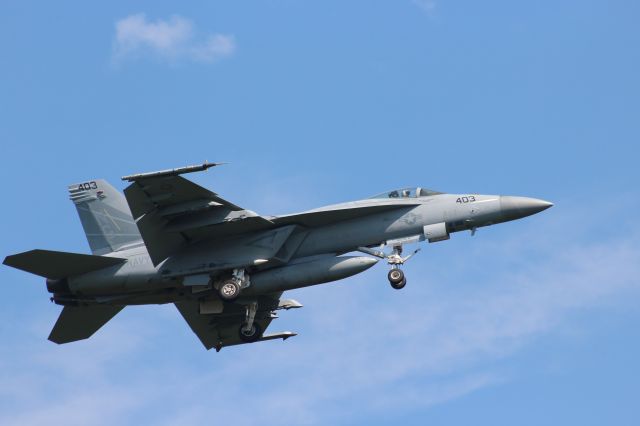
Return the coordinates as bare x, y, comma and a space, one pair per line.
105, 216
78, 323
59, 264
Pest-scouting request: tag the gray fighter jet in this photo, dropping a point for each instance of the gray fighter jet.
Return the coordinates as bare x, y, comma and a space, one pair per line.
225, 268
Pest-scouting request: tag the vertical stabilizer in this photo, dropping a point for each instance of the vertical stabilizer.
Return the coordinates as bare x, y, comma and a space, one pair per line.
105, 216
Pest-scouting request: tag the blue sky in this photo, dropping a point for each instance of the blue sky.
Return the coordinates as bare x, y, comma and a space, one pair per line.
531, 322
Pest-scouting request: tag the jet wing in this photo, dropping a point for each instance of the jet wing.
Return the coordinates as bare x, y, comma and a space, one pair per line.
220, 330
172, 212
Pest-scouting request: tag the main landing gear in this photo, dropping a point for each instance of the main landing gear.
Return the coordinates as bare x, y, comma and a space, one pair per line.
250, 331
396, 276
230, 289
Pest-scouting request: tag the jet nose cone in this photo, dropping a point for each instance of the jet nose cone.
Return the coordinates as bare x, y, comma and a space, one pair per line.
517, 207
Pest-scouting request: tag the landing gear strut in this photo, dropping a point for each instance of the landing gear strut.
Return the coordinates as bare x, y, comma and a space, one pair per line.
396, 276
250, 331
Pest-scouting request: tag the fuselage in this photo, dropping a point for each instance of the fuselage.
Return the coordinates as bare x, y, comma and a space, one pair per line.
138, 281
458, 212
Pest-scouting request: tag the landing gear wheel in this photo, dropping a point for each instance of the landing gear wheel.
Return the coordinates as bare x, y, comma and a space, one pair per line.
395, 276
250, 335
399, 285
229, 291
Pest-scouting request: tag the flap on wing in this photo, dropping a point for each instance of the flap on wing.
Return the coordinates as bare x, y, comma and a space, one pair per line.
59, 264
172, 212
78, 323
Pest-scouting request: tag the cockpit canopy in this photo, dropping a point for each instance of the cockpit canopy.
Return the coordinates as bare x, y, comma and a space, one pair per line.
407, 193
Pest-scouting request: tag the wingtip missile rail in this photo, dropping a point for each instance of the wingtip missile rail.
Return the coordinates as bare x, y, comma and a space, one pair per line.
171, 172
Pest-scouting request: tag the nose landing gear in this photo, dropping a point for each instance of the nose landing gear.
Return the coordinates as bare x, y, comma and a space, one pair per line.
396, 276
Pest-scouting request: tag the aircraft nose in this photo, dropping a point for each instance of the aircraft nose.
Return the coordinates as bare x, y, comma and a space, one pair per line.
518, 207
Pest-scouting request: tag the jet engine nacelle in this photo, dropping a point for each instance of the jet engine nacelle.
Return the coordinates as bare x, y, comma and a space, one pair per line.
57, 286
436, 232
311, 272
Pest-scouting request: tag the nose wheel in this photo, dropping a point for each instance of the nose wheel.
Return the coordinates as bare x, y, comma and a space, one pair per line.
396, 276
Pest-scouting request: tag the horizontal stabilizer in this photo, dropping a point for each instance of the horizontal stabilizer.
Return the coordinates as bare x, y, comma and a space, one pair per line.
59, 264
78, 323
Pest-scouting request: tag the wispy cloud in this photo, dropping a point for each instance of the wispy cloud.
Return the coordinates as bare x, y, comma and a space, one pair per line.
173, 39
428, 6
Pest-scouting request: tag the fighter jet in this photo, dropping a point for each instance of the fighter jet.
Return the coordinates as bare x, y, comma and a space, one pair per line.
225, 268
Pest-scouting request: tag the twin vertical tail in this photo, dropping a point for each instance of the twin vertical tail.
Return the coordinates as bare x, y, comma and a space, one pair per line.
105, 216
109, 227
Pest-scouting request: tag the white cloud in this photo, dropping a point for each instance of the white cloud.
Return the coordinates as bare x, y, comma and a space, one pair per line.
216, 46
429, 6
173, 39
